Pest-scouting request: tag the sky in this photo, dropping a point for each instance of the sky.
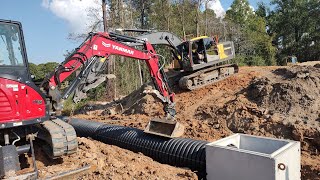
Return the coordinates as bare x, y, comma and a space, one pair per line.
47, 23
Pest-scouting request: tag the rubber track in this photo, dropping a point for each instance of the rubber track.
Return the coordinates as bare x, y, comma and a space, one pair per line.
71, 143
185, 78
62, 138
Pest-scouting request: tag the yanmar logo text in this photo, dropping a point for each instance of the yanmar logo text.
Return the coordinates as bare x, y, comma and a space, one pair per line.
118, 48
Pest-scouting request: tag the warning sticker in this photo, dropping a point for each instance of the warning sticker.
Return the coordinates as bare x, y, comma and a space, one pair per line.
14, 87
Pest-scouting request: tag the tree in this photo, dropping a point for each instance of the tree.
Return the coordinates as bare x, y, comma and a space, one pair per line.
239, 12
161, 16
262, 10
253, 43
295, 25
33, 68
42, 70
142, 12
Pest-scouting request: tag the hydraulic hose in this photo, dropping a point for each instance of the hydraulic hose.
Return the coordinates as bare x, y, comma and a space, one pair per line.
181, 152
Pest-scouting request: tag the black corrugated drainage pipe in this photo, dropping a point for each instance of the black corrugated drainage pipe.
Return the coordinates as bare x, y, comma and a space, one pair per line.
181, 152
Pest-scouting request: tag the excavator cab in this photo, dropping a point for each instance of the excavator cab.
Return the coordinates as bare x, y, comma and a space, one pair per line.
24, 113
21, 102
22, 105
203, 51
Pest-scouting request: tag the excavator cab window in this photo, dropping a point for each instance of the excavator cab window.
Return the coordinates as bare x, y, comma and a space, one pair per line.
184, 49
11, 52
211, 49
198, 52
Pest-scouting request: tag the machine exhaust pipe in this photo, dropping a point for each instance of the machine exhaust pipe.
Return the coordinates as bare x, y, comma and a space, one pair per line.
181, 152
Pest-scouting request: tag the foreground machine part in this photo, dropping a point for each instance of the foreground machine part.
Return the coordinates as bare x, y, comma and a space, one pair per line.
9, 160
60, 137
25, 116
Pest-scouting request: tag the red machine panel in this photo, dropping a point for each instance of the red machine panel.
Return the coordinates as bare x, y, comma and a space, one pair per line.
19, 102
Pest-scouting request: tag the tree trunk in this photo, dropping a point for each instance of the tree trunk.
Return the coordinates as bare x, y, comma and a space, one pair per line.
110, 83
206, 19
142, 14
198, 18
140, 73
182, 19
104, 14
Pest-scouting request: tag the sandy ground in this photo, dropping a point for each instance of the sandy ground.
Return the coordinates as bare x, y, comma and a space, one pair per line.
244, 103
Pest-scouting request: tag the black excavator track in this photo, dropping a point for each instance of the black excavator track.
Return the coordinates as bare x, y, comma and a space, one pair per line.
207, 76
60, 137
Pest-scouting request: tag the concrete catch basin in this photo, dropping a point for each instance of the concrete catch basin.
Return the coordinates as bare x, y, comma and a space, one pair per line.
246, 157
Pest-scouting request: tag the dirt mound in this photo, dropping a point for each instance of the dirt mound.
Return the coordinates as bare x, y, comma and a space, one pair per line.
293, 92
283, 103
108, 162
117, 163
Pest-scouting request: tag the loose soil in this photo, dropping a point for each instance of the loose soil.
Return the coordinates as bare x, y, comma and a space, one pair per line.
264, 101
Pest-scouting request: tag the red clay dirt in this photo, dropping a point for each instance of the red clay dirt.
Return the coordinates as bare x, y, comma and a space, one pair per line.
264, 101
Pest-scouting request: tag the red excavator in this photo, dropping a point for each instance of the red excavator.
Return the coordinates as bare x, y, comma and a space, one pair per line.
29, 112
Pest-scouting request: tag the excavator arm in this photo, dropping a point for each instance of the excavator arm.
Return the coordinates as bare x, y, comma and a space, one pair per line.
95, 49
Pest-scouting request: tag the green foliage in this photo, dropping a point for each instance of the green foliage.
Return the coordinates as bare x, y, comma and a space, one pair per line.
33, 68
295, 25
40, 71
254, 44
128, 75
240, 60
240, 12
69, 106
98, 93
262, 10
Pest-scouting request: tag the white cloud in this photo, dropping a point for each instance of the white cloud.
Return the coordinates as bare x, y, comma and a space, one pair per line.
216, 6
75, 12
45, 3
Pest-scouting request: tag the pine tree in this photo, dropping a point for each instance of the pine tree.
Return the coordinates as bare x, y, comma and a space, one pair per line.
295, 25
253, 44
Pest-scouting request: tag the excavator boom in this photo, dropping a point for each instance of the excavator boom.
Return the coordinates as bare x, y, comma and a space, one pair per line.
99, 46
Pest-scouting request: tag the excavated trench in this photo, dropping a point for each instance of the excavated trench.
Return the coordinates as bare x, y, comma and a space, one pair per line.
181, 152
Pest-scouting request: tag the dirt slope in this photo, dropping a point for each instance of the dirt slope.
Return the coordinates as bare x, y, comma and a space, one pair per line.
265, 101
108, 162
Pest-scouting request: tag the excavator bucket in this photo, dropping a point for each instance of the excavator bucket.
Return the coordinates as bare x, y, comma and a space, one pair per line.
165, 128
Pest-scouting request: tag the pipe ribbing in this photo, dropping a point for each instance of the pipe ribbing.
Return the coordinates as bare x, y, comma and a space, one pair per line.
182, 152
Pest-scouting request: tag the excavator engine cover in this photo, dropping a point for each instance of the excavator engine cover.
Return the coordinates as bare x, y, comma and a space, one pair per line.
165, 128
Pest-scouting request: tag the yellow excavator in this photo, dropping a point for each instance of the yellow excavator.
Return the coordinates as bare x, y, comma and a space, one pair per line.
197, 62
